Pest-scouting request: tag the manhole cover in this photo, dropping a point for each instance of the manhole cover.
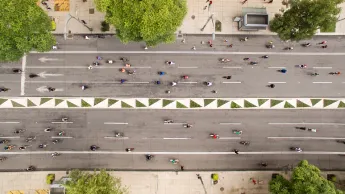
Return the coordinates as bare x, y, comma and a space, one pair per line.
91, 11
221, 189
193, 17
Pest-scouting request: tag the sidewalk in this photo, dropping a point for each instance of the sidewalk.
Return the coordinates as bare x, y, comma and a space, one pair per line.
171, 103
69, 19
231, 182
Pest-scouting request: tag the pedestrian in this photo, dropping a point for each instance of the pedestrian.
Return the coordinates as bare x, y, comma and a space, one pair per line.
207, 1
323, 42
90, 67
236, 151
230, 45
182, 168
183, 41
193, 48
225, 40
245, 59
205, 7
245, 1
209, 42
227, 77
210, 3
146, 48
202, 42
211, 45
271, 1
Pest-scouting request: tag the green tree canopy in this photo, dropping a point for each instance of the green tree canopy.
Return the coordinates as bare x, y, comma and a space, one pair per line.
92, 183
304, 17
23, 26
306, 179
151, 21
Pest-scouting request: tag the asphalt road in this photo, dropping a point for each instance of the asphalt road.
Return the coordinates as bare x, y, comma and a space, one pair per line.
67, 71
270, 133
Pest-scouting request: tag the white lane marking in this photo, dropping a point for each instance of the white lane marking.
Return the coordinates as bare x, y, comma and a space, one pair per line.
61, 137
22, 79
306, 123
277, 82
87, 82
320, 138
231, 82
187, 67
13, 137
195, 52
322, 67
178, 138
322, 82
58, 122
277, 67
174, 123
45, 75
187, 82
85, 67
229, 138
174, 153
230, 123
232, 67
112, 137
115, 123
9, 122
44, 59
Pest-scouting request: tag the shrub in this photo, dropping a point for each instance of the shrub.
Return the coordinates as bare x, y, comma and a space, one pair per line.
105, 26
50, 178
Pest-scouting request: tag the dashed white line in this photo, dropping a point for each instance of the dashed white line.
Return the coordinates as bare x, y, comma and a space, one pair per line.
232, 67
306, 123
61, 137
277, 67
22, 80
322, 82
178, 138
85, 67
187, 82
61, 122
87, 82
318, 138
230, 123
174, 123
13, 137
9, 122
229, 138
187, 67
231, 82
322, 67
277, 82
115, 123
112, 137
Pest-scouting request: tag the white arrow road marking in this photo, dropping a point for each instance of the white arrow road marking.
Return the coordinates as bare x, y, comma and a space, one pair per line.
44, 74
44, 59
43, 89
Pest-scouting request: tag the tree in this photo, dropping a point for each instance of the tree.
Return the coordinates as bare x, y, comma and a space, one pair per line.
304, 17
23, 26
151, 21
305, 179
91, 183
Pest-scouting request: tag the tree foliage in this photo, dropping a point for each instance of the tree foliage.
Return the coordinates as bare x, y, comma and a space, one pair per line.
23, 26
91, 183
306, 179
152, 21
304, 17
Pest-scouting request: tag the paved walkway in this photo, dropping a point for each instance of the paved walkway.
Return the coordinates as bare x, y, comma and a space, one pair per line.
232, 182
223, 10
172, 103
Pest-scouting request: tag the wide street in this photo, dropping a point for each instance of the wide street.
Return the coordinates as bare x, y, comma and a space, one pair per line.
67, 69
270, 133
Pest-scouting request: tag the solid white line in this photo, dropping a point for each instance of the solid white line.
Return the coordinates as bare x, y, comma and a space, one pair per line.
87, 82
61, 137
55, 122
187, 82
322, 67
85, 67
174, 153
10, 122
180, 138
230, 123
195, 52
324, 138
277, 82
229, 138
232, 67
112, 137
306, 123
322, 82
277, 67
13, 137
114, 123
231, 82
187, 67
22, 80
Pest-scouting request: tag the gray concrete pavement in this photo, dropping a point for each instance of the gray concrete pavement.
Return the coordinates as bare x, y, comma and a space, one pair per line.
147, 134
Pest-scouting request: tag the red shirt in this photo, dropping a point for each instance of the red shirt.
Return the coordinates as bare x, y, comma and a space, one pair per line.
210, 3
